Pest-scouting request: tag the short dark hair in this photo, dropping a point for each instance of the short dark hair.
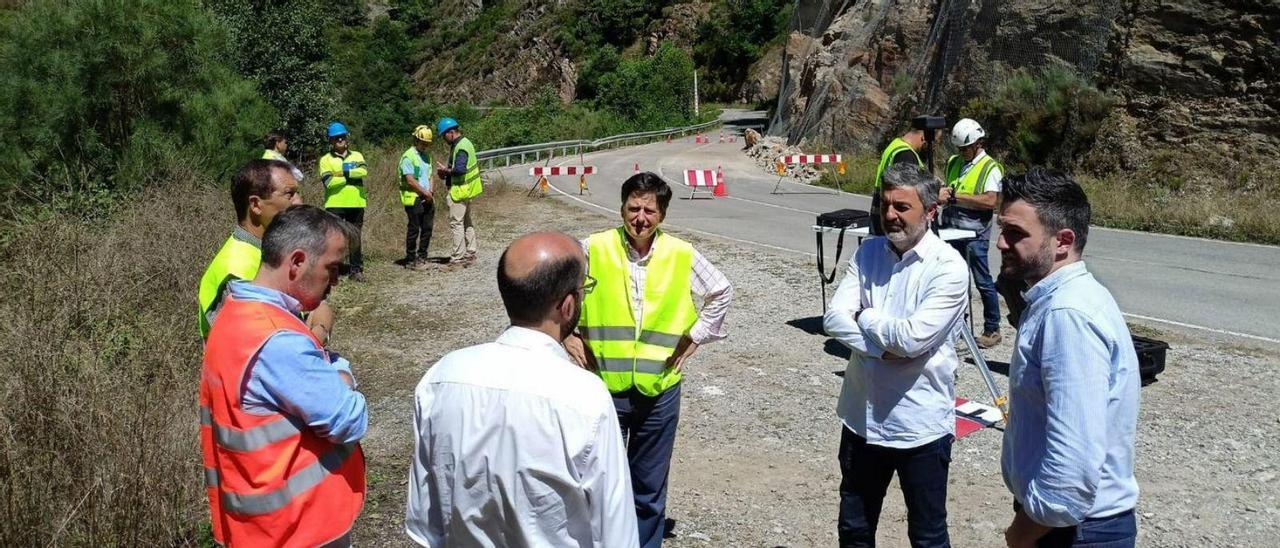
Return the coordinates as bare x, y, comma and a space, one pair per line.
530, 298
1058, 199
254, 179
301, 227
269, 142
645, 182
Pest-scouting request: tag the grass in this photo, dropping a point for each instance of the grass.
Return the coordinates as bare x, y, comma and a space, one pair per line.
100, 358
1234, 204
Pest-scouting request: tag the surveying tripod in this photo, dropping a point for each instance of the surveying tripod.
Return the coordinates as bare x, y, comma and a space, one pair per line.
930, 125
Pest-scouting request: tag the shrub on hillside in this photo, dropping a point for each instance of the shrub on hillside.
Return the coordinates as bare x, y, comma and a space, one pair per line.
97, 94
1043, 116
652, 92
734, 36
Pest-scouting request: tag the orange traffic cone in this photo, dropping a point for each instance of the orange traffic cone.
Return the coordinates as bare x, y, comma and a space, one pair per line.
721, 190
636, 169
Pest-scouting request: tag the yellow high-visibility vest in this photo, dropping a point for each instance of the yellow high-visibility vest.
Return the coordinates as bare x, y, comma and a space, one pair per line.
626, 355
471, 186
886, 158
343, 179
975, 181
238, 259
407, 193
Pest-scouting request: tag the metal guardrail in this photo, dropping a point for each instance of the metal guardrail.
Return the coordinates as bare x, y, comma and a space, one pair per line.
524, 154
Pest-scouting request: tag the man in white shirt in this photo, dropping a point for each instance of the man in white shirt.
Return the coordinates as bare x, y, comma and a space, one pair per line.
515, 445
897, 309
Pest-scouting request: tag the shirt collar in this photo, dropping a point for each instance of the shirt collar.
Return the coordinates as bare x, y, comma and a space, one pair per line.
974, 161
1053, 281
529, 339
243, 235
246, 290
633, 253
925, 248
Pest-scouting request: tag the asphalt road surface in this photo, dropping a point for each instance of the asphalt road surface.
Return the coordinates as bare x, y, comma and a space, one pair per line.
1231, 290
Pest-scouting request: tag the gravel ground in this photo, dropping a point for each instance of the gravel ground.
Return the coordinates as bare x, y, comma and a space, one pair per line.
755, 461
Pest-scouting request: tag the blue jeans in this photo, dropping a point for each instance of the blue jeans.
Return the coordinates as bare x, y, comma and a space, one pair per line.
866, 470
649, 430
1118, 531
975, 253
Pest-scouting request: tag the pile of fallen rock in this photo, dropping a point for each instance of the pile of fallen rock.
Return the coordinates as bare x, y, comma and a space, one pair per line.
766, 151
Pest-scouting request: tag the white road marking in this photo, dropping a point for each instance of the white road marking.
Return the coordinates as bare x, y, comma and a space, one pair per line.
1204, 328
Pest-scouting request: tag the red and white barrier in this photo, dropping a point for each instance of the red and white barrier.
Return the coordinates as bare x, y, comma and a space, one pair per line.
700, 178
552, 171
542, 172
706, 179
810, 159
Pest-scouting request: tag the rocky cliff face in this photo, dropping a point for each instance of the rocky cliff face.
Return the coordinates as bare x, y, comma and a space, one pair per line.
1186, 73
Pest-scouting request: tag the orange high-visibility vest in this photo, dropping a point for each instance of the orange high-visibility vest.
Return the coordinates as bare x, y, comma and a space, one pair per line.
270, 480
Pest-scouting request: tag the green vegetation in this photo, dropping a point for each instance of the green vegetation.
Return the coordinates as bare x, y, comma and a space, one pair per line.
1047, 116
100, 98
736, 35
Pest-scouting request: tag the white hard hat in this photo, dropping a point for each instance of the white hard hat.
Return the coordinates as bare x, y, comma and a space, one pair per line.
966, 132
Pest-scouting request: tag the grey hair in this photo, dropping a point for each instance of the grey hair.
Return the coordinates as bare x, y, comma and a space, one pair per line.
302, 227
911, 176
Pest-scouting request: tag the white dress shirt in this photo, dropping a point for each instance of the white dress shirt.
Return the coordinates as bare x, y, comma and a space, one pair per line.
514, 445
911, 307
709, 287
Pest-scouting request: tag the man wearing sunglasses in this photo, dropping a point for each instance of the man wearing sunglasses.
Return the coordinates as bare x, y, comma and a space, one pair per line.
342, 171
519, 417
639, 328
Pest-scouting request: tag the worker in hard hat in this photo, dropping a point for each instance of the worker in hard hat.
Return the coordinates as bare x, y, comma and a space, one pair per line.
275, 144
902, 150
342, 171
259, 190
971, 195
417, 198
462, 177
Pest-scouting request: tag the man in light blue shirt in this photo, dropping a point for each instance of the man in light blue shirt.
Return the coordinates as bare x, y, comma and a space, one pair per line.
1068, 453
897, 309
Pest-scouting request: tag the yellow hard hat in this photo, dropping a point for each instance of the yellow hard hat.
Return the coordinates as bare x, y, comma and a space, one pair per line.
422, 133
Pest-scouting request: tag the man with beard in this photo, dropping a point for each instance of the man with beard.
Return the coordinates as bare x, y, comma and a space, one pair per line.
514, 444
1068, 452
897, 309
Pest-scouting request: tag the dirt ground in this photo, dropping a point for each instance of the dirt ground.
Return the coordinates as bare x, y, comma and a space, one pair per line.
755, 461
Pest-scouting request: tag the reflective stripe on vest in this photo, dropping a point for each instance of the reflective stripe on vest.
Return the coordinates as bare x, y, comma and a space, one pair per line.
628, 357
238, 259
407, 193
974, 181
269, 479
471, 185
886, 158
339, 191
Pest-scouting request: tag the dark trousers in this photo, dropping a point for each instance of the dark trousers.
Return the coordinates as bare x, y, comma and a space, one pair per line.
355, 216
649, 430
866, 470
1118, 531
975, 253
418, 234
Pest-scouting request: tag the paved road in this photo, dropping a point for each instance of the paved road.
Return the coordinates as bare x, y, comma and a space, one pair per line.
1229, 289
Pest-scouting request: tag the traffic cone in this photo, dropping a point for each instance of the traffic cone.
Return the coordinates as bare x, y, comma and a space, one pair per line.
582, 184
668, 138
721, 191
722, 136
636, 169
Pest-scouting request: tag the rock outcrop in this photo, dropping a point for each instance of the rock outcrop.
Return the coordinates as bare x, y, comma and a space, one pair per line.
1186, 73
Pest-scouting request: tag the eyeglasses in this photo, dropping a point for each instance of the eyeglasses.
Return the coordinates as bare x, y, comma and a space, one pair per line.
588, 285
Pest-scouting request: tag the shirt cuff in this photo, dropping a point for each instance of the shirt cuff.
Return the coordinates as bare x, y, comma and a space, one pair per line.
701, 334
341, 364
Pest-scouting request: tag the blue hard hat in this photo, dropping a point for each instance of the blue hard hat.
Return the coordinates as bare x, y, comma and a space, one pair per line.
336, 129
445, 124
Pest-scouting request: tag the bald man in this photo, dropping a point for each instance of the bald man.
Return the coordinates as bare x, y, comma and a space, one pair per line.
514, 444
